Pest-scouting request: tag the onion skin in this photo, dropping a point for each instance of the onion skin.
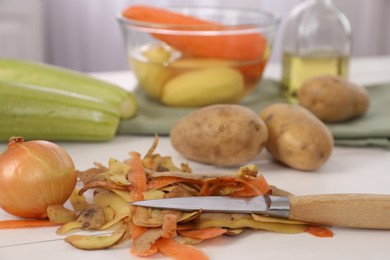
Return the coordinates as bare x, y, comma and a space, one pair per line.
34, 175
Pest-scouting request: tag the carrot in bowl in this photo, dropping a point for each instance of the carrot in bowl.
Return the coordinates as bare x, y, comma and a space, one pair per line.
250, 46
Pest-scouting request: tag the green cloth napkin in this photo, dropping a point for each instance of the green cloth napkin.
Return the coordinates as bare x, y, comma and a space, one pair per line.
371, 130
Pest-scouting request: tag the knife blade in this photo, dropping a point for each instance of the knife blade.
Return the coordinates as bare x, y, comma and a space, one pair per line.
345, 210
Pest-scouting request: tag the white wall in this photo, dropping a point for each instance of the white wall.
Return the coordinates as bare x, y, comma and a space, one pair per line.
84, 35
21, 29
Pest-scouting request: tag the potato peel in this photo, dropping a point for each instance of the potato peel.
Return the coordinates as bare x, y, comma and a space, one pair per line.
89, 242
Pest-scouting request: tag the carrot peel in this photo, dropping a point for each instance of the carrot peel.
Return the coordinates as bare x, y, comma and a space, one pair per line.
169, 226
26, 223
136, 174
319, 231
172, 248
204, 233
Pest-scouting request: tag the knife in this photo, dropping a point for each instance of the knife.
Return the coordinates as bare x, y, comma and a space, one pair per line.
344, 210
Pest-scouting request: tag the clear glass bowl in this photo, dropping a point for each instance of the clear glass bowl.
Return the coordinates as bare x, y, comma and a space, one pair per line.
186, 65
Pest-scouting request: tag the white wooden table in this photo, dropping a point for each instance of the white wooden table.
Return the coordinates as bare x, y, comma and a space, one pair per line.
349, 170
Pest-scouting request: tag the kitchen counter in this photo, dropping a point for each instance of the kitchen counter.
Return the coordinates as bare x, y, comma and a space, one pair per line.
349, 170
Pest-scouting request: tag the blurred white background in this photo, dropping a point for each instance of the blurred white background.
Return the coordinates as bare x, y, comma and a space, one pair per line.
84, 35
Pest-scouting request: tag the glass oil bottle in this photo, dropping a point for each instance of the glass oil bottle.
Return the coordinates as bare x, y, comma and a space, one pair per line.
317, 40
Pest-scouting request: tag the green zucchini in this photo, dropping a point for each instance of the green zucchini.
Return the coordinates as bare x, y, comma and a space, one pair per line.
38, 112
41, 74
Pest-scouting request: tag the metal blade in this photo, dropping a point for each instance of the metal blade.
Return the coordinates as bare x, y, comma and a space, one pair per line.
259, 204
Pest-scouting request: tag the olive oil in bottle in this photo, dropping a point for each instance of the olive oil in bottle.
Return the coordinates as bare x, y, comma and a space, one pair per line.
316, 41
297, 69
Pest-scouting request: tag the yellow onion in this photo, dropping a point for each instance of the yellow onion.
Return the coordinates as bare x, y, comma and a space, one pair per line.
34, 175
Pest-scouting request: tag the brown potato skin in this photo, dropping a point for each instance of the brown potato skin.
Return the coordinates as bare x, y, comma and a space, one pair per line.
333, 99
297, 138
222, 135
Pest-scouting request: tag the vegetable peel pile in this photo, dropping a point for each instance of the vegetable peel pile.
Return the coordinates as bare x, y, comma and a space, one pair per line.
169, 232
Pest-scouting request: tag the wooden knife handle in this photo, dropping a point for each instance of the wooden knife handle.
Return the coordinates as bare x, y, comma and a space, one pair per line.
345, 210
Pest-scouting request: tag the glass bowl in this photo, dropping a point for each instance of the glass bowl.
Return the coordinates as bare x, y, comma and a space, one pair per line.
219, 58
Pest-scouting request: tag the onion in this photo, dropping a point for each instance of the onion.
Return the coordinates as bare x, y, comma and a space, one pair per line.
33, 176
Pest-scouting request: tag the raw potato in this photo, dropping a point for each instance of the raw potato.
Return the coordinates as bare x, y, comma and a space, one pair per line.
223, 135
151, 72
333, 99
204, 87
297, 138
